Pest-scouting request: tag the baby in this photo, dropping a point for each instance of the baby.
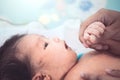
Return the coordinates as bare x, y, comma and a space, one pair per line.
35, 57
92, 65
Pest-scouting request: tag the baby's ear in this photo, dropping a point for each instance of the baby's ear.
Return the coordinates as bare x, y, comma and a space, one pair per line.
40, 76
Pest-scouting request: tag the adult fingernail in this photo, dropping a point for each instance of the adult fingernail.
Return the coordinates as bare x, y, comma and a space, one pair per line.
105, 47
108, 70
84, 76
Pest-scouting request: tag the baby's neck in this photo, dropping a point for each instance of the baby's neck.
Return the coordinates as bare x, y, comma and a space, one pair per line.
79, 55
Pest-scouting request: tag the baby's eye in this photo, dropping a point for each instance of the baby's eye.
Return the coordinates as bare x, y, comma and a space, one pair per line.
45, 45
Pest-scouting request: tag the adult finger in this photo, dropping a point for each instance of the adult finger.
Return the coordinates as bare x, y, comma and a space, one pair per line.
113, 73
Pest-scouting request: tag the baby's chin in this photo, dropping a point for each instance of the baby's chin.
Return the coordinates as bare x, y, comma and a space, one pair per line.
74, 59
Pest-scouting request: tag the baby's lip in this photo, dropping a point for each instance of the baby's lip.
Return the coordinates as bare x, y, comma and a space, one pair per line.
66, 46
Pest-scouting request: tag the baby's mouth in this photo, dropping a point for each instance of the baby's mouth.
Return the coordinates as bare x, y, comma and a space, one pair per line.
66, 46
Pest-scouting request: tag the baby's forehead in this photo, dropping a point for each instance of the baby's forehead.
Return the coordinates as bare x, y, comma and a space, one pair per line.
27, 43
30, 41
31, 37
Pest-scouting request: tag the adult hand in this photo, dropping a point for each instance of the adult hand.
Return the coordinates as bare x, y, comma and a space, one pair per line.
113, 72
99, 77
111, 35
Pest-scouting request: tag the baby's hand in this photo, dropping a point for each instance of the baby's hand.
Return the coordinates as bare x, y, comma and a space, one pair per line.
93, 33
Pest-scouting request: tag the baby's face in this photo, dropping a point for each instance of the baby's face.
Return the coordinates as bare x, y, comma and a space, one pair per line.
53, 54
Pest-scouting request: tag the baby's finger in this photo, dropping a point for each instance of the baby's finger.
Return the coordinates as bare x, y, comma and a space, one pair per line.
85, 44
88, 43
93, 32
86, 36
93, 39
98, 28
89, 40
100, 24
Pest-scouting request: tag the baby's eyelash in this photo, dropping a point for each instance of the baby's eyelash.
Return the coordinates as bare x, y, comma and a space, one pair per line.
45, 45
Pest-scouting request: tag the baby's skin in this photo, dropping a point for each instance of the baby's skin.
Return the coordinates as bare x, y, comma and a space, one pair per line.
92, 66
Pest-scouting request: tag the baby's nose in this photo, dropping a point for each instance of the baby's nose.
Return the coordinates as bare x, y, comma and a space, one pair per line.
56, 39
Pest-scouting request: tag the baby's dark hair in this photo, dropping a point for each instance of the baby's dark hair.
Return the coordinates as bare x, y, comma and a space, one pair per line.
11, 68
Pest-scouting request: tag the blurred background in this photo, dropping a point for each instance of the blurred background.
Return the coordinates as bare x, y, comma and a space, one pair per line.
51, 18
